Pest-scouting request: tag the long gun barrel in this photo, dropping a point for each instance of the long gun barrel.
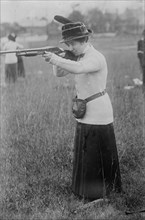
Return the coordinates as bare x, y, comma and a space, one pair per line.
67, 54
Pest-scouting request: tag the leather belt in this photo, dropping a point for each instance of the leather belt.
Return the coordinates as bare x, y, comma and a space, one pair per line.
90, 98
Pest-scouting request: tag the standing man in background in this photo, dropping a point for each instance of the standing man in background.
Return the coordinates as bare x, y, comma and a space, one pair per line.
11, 60
21, 69
141, 54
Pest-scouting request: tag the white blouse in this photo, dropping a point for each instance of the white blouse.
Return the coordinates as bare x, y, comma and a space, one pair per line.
99, 111
11, 57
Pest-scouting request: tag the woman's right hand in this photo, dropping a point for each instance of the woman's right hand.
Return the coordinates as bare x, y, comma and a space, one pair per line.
47, 56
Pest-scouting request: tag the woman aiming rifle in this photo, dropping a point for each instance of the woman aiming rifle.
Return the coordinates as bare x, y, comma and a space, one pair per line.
96, 170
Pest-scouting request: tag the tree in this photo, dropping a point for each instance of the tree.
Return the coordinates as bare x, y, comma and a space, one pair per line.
76, 16
46, 20
95, 20
130, 21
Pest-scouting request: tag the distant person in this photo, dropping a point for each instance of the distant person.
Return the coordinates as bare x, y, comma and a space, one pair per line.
11, 60
21, 69
141, 54
96, 170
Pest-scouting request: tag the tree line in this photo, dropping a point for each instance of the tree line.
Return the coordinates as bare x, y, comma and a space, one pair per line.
129, 22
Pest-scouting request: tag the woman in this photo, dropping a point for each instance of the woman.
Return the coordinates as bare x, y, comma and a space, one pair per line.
95, 167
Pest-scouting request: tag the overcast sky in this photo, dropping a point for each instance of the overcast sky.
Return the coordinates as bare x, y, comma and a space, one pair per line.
17, 10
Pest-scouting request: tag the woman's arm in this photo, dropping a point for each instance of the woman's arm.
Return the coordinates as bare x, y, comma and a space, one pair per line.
59, 72
87, 65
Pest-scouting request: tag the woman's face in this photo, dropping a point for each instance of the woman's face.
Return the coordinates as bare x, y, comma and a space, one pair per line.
76, 47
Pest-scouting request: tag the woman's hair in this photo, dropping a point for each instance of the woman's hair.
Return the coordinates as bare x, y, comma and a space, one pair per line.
82, 39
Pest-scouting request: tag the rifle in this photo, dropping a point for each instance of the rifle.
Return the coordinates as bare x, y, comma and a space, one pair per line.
67, 54
134, 212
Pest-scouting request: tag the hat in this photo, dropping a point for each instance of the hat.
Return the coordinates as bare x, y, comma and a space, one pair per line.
74, 30
12, 36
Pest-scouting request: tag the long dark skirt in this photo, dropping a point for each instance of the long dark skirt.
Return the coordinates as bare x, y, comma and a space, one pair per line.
95, 167
11, 72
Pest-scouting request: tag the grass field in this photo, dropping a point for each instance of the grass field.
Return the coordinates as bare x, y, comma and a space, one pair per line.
37, 130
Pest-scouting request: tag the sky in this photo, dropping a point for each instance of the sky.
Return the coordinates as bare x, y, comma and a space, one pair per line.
18, 10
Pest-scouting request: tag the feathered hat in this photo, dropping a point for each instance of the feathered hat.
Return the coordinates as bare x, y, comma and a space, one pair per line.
72, 30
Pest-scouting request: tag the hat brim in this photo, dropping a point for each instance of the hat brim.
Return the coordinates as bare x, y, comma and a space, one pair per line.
76, 37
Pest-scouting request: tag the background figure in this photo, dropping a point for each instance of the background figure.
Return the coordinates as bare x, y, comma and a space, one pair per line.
11, 59
141, 54
21, 69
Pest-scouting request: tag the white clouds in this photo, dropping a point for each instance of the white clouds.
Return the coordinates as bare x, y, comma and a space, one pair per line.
16, 10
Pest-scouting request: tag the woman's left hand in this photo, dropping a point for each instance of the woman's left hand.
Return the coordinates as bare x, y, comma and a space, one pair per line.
47, 56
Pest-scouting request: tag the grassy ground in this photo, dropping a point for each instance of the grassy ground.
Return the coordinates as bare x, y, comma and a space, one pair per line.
37, 131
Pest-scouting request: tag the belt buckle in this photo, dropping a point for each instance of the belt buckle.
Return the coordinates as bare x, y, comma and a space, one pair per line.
102, 93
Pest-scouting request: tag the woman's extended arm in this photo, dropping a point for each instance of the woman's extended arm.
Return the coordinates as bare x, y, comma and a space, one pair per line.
90, 64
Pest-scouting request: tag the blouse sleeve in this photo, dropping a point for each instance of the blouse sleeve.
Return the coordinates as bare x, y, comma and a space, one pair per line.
59, 72
86, 65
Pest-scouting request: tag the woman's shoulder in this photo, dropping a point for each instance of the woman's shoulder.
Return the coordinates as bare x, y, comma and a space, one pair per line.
98, 52
98, 55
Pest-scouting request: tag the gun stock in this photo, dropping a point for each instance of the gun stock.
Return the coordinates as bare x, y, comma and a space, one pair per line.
40, 51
